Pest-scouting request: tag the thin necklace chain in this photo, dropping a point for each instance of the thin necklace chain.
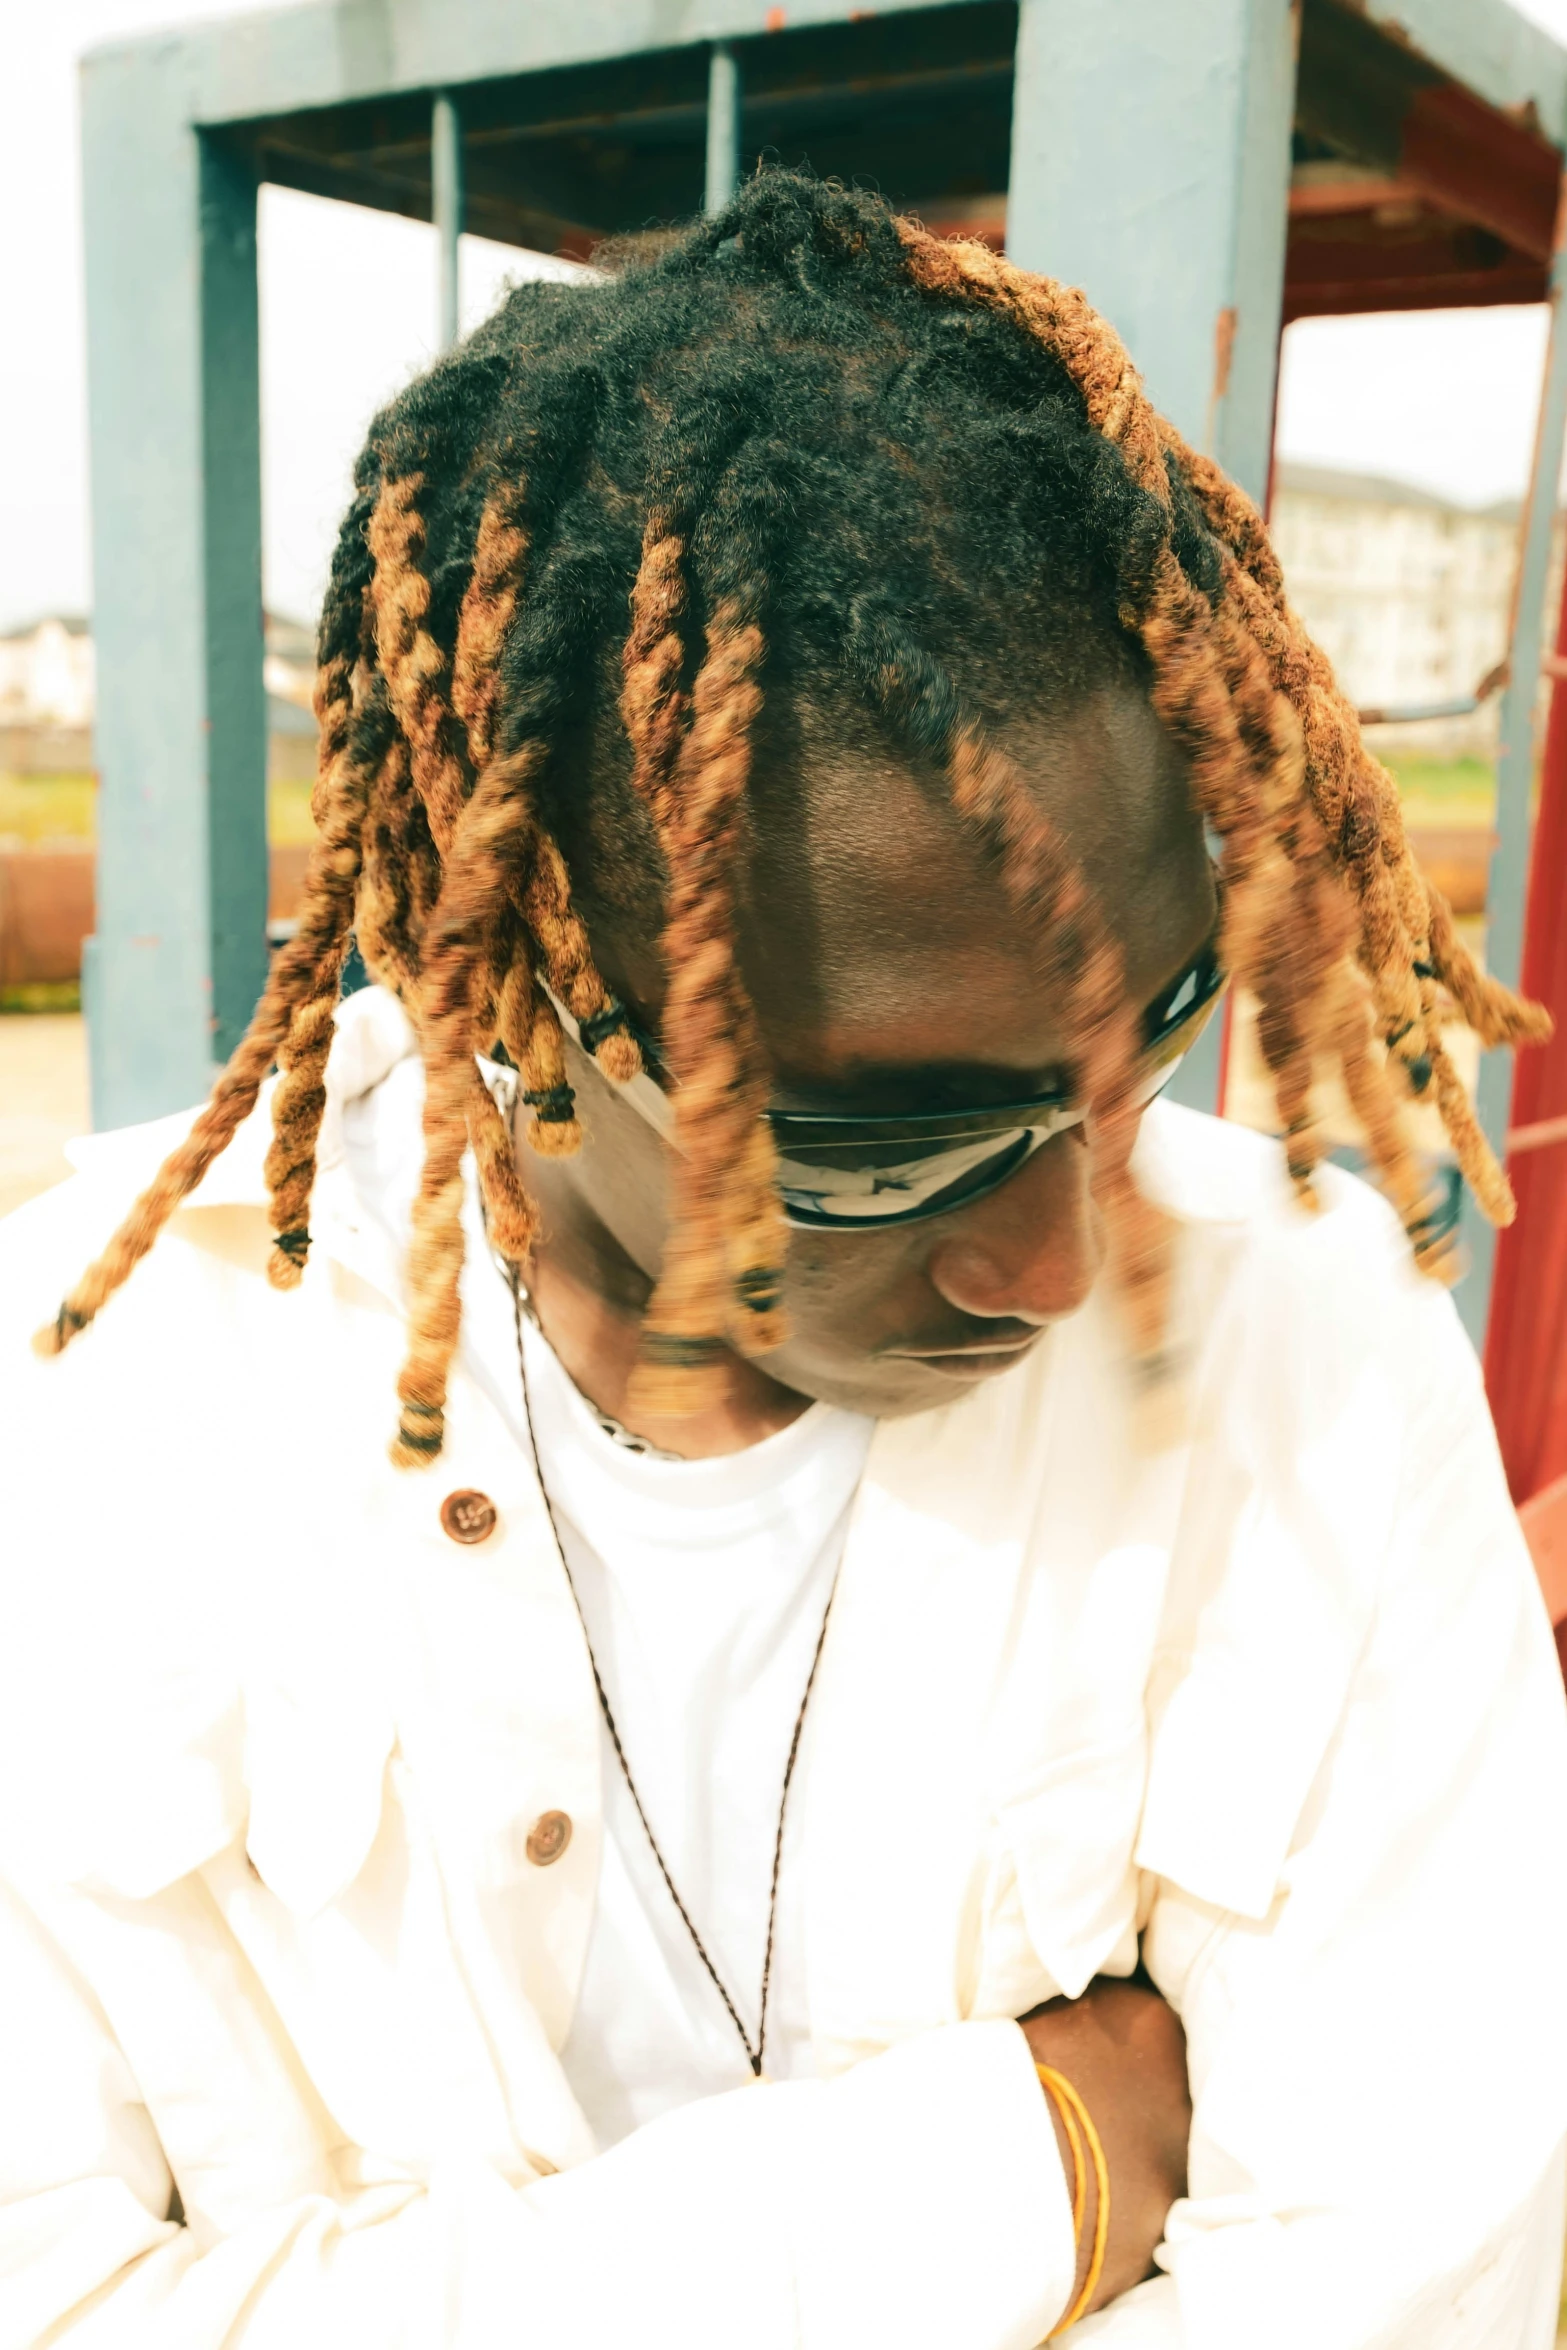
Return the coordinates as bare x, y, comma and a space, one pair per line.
753, 2052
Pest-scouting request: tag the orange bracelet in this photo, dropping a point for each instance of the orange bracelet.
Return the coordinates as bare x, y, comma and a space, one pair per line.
1080, 2131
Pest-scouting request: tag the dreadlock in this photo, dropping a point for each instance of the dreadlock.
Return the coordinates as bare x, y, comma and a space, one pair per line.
804, 442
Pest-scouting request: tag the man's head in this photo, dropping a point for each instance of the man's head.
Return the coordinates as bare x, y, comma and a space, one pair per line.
895, 1001
805, 650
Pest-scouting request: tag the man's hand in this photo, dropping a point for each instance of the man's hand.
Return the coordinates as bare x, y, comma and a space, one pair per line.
1124, 2052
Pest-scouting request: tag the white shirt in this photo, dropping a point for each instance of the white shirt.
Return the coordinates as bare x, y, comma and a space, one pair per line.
1277, 1706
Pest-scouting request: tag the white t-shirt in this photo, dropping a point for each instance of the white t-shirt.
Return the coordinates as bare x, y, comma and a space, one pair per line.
704, 1585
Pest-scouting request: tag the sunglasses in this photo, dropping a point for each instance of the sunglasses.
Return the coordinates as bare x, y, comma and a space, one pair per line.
851, 1173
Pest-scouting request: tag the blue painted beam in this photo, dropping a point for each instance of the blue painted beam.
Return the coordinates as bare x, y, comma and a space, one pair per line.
446, 200
723, 127
334, 51
230, 591
1507, 884
169, 227
1150, 165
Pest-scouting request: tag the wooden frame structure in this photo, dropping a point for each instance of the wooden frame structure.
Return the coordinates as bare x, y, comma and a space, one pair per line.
1205, 168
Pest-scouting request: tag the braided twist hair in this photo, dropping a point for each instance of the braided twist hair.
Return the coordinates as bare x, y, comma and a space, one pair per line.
808, 447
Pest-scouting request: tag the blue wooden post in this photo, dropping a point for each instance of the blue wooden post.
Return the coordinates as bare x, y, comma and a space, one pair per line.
446, 211
723, 127
179, 956
1507, 884
1150, 166
236, 707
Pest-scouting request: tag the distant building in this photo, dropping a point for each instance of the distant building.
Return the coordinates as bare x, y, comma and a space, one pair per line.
1407, 594
289, 666
47, 700
46, 674
289, 672
46, 696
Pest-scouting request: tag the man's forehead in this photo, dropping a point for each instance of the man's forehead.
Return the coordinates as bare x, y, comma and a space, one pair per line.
879, 905
866, 907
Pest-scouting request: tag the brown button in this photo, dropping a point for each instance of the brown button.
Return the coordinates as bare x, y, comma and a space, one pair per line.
469, 1516
548, 1837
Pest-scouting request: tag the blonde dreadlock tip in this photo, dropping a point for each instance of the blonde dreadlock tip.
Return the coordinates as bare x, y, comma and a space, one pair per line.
1160, 1400
512, 1238
1160, 1417
1442, 1264
404, 1454
758, 1334
619, 1058
284, 1271
51, 1339
553, 1138
655, 1392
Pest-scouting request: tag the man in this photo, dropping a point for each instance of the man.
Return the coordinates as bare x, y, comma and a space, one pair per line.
903, 1569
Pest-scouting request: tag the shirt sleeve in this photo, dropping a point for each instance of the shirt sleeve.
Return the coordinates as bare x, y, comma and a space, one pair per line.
1379, 2067
918, 2200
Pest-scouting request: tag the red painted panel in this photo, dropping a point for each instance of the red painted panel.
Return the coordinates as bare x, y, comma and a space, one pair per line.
47, 899
1526, 1344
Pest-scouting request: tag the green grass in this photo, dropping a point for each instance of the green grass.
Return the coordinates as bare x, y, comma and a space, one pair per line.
1444, 791
48, 807
42, 995
37, 808
288, 815
63, 807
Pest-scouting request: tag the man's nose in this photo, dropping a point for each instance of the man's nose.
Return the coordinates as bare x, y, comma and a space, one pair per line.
1031, 1251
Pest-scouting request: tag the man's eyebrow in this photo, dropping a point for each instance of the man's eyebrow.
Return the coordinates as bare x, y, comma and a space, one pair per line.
949, 1089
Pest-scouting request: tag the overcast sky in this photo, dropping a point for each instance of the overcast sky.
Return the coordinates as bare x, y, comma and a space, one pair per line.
1446, 399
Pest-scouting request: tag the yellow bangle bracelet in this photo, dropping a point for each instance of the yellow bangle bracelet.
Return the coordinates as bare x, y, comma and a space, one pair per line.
1080, 2132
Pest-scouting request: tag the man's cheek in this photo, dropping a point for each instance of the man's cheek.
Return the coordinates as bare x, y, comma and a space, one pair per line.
855, 1288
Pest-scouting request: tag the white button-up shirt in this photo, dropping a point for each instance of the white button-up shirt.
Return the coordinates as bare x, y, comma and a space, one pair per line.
282, 1992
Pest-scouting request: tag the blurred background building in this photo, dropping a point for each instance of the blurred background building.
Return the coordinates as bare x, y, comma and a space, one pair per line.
1408, 594
47, 698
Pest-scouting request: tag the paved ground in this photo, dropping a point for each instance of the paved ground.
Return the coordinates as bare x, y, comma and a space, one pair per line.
43, 1100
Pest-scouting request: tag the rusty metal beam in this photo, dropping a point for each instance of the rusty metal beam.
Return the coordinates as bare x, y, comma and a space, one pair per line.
1421, 193
1482, 168
1348, 285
